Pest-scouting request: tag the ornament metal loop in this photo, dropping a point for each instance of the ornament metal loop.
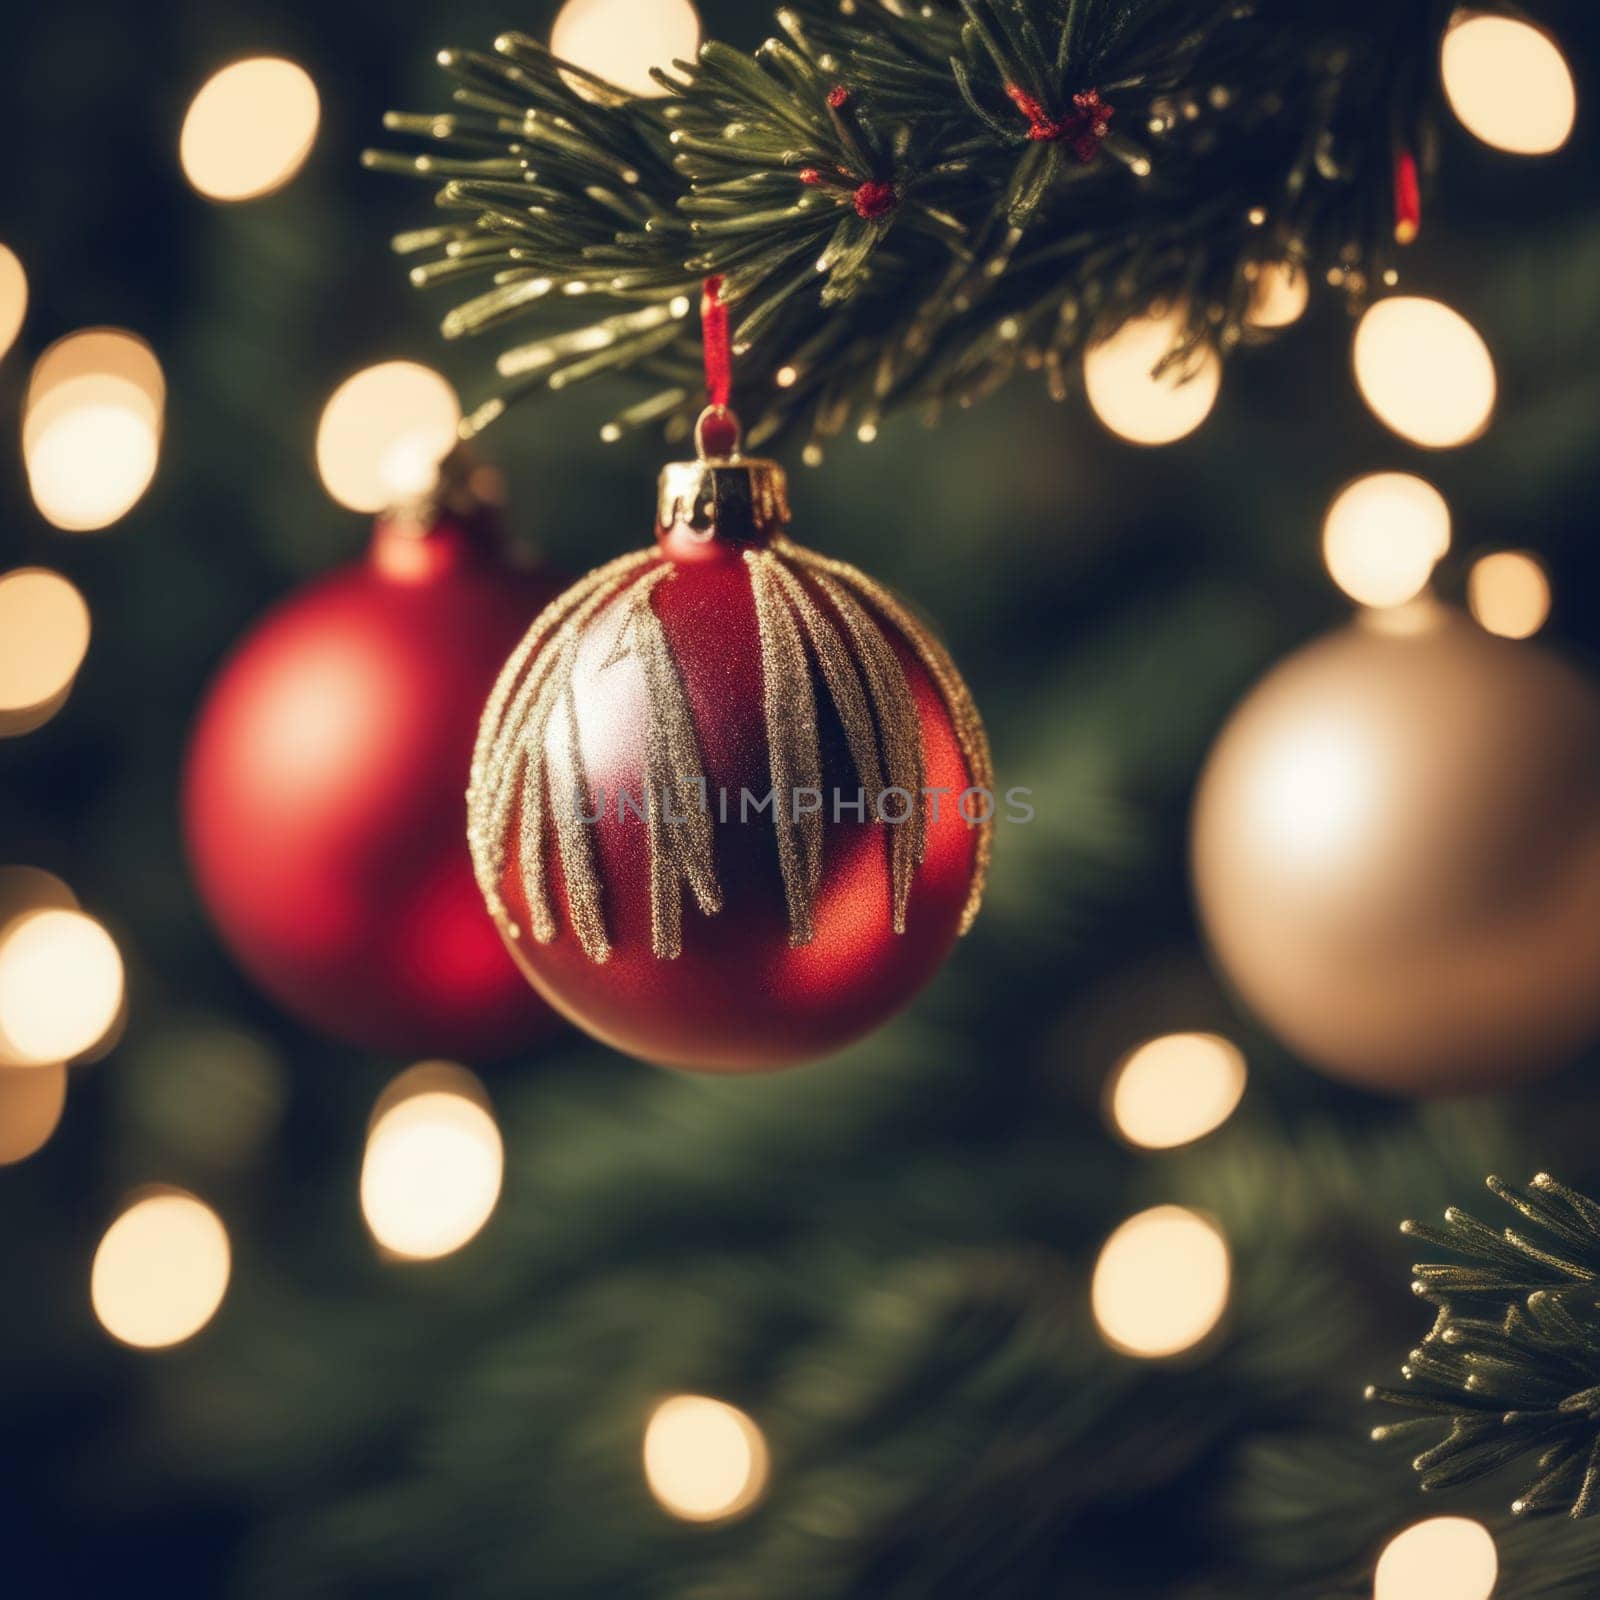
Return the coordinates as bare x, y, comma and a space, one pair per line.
726, 423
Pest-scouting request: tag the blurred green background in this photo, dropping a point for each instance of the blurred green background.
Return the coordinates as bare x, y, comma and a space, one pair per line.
882, 1258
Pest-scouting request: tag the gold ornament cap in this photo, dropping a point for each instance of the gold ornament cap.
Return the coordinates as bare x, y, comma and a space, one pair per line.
721, 498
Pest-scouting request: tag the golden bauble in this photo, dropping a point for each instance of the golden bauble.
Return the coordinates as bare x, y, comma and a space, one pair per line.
1397, 854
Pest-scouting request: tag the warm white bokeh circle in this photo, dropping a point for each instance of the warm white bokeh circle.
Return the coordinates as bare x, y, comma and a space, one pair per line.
1508, 83
1119, 378
161, 1271
704, 1460
1425, 371
1279, 295
1383, 536
61, 984
31, 1102
91, 429
383, 434
249, 129
1161, 1283
1509, 594
13, 297
432, 1172
28, 889
44, 636
1175, 1089
1444, 1558
109, 365
92, 466
621, 40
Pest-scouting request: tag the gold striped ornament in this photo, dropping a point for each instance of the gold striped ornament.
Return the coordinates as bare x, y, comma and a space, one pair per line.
731, 802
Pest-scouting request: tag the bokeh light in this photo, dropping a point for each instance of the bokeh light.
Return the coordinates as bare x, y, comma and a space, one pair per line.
1508, 82
1279, 295
384, 433
61, 986
1509, 594
31, 1102
161, 1270
91, 431
1383, 536
1127, 396
249, 129
13, 297
1161, 1283
27, 889
434, 1163
44, 636
621, 40
704, 1460
1444, 1558
92, 466
1425, 371
1176, 1089
94, 353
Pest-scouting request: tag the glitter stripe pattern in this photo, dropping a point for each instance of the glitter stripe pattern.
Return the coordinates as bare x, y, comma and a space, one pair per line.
528, 764
511, 759
935, 660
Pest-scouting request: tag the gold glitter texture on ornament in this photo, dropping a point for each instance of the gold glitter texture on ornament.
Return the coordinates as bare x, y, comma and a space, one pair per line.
511, 754
793, 751
900, 732
528, 765
676, 812
839, 671
935, 661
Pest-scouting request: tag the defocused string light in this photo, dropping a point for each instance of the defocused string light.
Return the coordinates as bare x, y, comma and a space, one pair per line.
31, 1103
704, 1460
13, 297
1279, 296
383, 434
249, 129
91, 430
1383, 536
1508, 83
1425, 371
621, 40
1119, 376
107, 361
1161, 1283
427, 1077
1509, 594
1176, 1089
160, 1271
1444, 1558
61, 987
44, 636
434, 1163
27, 889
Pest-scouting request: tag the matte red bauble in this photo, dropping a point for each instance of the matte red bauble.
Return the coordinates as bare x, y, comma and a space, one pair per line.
323, 797
731, 803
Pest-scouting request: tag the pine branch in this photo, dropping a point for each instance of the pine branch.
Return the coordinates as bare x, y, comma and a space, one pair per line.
908, 205
1511, 1368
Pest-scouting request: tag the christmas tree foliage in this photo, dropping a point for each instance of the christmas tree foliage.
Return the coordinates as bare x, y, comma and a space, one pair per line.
906, 204
1512, 1365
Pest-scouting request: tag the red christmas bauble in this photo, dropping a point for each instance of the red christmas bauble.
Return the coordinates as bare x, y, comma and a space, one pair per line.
731, 802
323, 794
